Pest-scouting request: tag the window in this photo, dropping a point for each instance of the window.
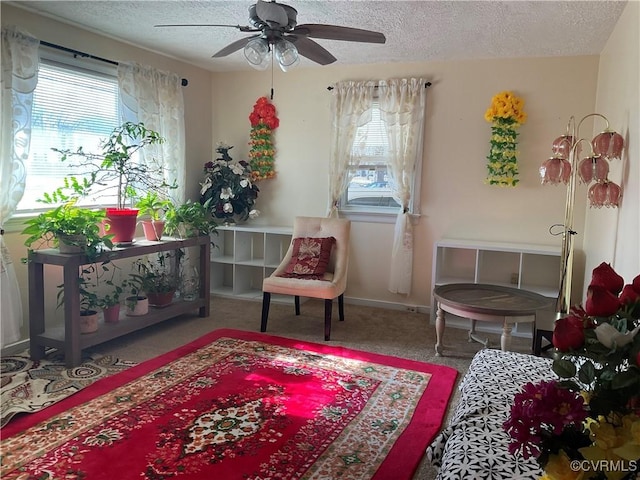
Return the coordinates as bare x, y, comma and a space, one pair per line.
370, 186
72, 107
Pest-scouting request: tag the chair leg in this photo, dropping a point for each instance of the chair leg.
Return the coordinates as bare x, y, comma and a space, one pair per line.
266, 300
296, 301
537, 342
341, 307
328, 306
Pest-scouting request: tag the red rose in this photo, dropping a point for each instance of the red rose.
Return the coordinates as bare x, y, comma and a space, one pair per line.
605, 276
568, 333
629, 295
600, 302
636, 284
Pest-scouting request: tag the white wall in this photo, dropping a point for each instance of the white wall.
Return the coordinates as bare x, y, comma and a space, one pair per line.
612, 235
455, 201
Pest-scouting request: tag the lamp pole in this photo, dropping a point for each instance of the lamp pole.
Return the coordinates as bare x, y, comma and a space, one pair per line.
563, 303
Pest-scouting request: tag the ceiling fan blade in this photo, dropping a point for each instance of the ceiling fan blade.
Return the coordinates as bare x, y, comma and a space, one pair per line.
310, 49
239, 27
233, 47
334, 32
272, 12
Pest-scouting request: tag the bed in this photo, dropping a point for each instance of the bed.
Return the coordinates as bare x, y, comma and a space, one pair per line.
474, 446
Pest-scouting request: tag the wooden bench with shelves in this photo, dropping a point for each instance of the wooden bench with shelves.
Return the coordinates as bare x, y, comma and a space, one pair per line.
67, 337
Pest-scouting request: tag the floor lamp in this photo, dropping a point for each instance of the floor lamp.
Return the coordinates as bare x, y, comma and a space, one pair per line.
564, 167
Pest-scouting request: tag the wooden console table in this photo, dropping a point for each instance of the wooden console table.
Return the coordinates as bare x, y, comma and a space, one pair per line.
67, 337
489, 303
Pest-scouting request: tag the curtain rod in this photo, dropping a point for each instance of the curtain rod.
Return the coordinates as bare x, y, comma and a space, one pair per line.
426, 85
78, 53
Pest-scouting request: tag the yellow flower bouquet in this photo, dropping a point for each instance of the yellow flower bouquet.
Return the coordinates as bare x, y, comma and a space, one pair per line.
505, 114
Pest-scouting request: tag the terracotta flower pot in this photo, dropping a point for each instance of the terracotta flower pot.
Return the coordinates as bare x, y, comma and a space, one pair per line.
162, 299
153, 229
112, 313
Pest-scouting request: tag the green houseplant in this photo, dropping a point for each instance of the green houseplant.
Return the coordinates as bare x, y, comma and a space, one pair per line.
89, 299
190, 219
154, 277
153, 205
68, 226
110, 302
116, 169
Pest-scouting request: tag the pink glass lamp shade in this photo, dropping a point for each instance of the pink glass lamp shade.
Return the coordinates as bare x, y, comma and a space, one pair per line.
561, 146
555, 170
605, 194
608, 144
593, 168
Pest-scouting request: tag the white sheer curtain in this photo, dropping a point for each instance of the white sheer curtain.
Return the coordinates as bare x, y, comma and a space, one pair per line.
154, 98
351, 108
19, 79
402, 105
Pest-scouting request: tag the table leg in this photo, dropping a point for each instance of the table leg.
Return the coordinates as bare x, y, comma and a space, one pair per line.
505, 338
473, 337
440, 324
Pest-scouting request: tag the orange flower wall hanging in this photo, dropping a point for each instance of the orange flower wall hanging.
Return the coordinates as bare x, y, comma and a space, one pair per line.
261, 154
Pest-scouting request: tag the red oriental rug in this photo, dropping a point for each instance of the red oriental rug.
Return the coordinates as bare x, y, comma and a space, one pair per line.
239, 405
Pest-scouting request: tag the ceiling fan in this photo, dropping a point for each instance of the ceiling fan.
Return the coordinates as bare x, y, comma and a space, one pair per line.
276, 29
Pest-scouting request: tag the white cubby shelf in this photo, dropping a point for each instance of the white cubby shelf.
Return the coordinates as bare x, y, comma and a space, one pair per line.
243, 256
535, 268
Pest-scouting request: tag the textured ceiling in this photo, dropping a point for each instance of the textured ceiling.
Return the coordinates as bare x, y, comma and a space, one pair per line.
416, 30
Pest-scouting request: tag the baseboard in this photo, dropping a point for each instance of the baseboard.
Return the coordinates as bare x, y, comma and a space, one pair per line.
15, 348
388, 305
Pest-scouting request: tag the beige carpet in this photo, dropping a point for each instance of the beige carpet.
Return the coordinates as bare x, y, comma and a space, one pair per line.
389, 332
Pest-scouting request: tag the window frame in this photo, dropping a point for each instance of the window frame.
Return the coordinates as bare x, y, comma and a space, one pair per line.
376, 214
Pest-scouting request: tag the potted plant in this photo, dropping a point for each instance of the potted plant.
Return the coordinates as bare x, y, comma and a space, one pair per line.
190, 219
154, 206
89, 300
115, 168
154, 277
228, 189
69, 227
110, 302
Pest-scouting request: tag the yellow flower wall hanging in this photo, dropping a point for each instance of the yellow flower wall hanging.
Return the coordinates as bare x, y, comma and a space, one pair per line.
505, 114
261, 154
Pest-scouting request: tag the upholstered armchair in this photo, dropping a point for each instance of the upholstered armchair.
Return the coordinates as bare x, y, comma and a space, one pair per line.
314, 266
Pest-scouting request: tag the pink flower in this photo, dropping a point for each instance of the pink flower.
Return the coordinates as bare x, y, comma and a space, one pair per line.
541, 410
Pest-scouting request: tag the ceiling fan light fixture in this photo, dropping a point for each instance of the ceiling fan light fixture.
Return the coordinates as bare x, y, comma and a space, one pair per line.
286, 54
257, 53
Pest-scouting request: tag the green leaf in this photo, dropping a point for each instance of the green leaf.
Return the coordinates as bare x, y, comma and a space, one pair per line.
587, 373
564, 368
625, 379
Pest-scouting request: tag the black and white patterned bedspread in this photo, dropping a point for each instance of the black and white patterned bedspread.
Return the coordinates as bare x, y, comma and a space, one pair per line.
474, 445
